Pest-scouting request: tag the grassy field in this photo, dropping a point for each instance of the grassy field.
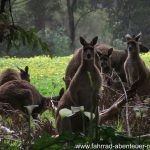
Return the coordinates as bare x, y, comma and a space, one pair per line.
46, 73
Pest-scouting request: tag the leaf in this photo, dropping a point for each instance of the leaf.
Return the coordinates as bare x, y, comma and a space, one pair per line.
30, 108
77, 109
89, 115
65, 113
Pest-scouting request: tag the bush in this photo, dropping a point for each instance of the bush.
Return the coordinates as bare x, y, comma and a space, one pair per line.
57, 41
119, 44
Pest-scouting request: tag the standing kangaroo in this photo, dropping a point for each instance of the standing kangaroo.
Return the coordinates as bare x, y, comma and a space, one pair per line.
137, 74
74, 64
82, 91
117, 59
104, 60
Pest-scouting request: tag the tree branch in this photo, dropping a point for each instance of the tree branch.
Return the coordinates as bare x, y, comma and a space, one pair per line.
111, 112
3, 4
126, 98
82, 16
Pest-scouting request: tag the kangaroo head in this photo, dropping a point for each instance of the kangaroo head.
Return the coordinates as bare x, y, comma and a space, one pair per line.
143, 48
104, 60
88, 48
133, 43
24, 74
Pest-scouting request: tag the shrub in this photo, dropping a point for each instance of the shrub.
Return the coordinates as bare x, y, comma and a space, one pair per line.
57, 40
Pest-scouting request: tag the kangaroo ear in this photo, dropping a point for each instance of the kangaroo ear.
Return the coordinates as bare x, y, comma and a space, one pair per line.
137, 37
94, 41
20, 69
128, 37
26, 69
99, 53
82, 41
110, 51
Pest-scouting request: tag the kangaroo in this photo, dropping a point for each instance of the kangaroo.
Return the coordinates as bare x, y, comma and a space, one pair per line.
109, 78
117, 59
57, 98
24, 74
74, 64
137, 73
104, 60
11, 74
20, 93
83, 89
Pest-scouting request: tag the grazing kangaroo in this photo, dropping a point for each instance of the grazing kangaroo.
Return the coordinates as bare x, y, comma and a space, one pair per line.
11, 74
83, 89
20, 93
137, 73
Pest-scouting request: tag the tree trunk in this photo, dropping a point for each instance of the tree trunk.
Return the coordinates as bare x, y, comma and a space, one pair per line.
71, 7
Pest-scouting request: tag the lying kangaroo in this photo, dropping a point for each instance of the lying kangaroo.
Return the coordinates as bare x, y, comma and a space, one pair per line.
137, 73
11, 74
83, 89
24, 74
20, 93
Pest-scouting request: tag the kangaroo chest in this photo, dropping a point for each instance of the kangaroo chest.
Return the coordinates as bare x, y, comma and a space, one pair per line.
88, 89
132, 70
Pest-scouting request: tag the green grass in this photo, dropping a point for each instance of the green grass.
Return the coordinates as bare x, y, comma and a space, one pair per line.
46, 73
146, 58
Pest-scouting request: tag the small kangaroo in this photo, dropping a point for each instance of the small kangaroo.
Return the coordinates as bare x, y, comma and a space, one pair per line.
118, 57
137, 73
107, 70
24, 74
20, 93
11, 74
83, 89
104, 60
117, 60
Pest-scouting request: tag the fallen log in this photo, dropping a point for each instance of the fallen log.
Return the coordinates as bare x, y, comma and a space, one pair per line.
116, 108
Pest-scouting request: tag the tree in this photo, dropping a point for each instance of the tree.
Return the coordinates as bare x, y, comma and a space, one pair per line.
126, 16
43, 11
71, 6
14, 35
77, 10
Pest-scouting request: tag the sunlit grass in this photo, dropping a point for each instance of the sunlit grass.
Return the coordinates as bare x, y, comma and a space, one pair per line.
146, 58
46, 73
